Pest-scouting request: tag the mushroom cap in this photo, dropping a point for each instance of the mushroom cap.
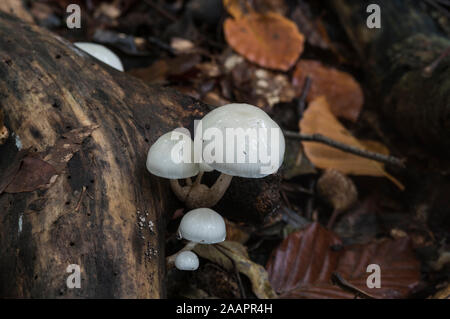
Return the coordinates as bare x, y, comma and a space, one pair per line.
245, 116
203, 167
203, 225
161, 162
186, 260
101, 53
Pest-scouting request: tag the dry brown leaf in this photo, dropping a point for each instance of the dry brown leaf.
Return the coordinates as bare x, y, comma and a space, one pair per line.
229, 255
443, 294
4, 133
33, 174
269, 40
236, 8
303, 265
236, 233
295, 162
318, 119
263, 88
341, 90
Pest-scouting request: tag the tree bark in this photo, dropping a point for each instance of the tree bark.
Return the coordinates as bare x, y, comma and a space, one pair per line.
417, 103
77, 191
90, 127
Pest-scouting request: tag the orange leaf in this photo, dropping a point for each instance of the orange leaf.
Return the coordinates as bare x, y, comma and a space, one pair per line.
269, 40
342, 91
318, 119
236, 8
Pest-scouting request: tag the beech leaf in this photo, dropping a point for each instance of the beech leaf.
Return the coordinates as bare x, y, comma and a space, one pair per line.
318, 119
269, 39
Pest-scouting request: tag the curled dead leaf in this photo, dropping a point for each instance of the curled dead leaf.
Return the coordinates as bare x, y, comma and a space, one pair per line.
232, 255
269, 40
341, 90
236, 233
33, 174
4, 133
318, 119
303, 266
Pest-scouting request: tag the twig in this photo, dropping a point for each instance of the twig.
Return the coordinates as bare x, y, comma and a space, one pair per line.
345, 285
428, 71
236, 271
346, 148
302, 100
162, 11
77, 208
437, 6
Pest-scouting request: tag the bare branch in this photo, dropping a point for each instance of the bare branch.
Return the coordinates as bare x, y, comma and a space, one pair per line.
346, 148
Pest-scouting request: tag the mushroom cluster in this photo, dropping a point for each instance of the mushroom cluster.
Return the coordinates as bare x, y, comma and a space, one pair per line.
254, 149
199, 226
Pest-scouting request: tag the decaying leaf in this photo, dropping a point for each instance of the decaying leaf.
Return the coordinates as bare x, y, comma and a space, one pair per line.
240, 8
260, 87
295, 162
318, 119
236, 233
162, 69
4, 133
229, 255
442, 294
65, 147
303, 265
237, 8
269, 40
341, 90
10, 172
33, 174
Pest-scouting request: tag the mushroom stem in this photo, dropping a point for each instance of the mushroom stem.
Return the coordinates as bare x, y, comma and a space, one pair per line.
180, 192
201, 195
220, 186
199, 178
170, 260
197, 195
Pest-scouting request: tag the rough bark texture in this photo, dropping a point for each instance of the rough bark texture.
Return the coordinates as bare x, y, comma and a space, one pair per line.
79, 192
395, 57
89, 215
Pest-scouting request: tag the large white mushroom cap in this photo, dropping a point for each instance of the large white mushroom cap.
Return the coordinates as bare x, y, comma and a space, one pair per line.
166, 157
244, 116
101, 53
186, 260
203, 225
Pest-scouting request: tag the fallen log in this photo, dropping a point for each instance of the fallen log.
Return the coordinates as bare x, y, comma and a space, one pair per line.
414, 94
73, 183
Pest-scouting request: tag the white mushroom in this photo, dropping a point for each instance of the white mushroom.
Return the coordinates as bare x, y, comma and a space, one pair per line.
101, 53
199, 226
203, 225
252, 143
167, 158
186, 260
172, 157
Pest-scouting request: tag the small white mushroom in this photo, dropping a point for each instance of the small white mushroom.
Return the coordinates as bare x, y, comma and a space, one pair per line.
203, 225
166, 158
186, 260
101, 53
